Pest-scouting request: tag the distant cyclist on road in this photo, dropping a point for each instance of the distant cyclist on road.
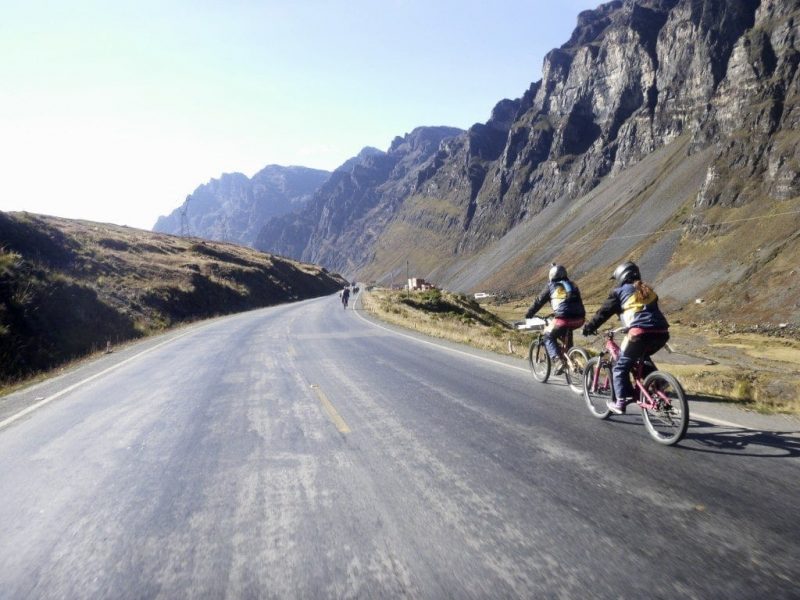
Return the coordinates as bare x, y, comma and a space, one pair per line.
648, 330
345, 296
568, 311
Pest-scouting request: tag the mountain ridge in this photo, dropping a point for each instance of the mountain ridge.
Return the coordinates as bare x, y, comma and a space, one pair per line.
235, 207
695, 102
713, 84
356, 201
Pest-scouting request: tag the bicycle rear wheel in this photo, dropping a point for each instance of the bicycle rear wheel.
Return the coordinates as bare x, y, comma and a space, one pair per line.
598, 388
539, 361
578, 358
667, 422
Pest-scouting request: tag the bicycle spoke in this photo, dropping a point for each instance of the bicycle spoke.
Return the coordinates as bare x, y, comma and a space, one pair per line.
597, 388
667, 421
578, 359
539, 361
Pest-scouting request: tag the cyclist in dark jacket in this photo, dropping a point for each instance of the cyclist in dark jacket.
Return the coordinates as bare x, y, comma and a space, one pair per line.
648, 330
568, 312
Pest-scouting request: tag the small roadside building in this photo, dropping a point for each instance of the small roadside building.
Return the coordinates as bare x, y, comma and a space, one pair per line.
417, 283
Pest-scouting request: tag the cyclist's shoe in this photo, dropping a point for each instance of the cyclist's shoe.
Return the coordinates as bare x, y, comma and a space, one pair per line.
618, 407
560, 367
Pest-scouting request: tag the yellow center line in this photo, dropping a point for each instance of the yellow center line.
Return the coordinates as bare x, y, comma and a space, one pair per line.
338, 421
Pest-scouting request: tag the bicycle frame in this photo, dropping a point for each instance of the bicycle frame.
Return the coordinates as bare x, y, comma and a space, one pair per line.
641, 397
573, 357
659, 395
564, 342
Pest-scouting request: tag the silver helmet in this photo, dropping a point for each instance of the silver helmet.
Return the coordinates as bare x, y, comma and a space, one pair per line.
627, 271
557, 272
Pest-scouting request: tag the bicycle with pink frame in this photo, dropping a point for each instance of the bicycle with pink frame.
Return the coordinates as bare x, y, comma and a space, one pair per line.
659, 395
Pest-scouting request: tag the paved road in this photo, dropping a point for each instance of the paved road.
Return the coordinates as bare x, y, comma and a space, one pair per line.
303, 452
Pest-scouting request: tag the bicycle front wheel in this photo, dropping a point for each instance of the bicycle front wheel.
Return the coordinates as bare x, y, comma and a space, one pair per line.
539, 361
667, 421
576, 365
598, 388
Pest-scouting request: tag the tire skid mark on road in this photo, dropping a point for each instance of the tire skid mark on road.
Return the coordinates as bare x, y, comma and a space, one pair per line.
463, 507
392, 557
330, 487
274, 497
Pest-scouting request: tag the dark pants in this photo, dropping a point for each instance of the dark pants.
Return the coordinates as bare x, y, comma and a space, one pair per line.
557, 328
634, 348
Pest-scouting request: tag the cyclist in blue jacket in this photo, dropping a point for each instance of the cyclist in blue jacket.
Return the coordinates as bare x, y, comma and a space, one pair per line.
648, 330
568, 311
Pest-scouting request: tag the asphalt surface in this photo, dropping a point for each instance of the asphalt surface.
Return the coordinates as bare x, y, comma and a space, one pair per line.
302, 451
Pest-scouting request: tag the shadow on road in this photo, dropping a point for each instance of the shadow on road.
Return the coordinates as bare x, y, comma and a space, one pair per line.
704, 436
707, 437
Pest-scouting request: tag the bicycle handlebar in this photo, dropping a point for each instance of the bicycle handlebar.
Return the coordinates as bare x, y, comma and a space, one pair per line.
525, 326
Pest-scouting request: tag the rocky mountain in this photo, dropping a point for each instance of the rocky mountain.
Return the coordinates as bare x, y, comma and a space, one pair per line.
350, 211
234, 207
68, 287
663, 130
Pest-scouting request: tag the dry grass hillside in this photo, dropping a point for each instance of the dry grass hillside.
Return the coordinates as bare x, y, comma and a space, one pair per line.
69, 287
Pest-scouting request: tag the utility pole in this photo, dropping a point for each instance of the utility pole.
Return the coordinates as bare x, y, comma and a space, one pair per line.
408, 281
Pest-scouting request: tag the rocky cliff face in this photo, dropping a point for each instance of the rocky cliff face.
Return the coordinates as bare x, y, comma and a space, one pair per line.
756, 114
288, 235
708, 87
235, 208
635, 76
350, 211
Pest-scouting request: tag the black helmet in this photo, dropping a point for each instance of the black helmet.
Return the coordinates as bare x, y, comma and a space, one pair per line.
557, 272
627, 271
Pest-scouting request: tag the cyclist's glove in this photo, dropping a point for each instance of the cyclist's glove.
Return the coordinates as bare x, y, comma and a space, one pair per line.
589, 331
530, 314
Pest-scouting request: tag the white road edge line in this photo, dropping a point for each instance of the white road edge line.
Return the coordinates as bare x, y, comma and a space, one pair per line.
67, 390
692, 414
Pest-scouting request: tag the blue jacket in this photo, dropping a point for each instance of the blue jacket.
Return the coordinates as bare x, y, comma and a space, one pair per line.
633, 313
564, 298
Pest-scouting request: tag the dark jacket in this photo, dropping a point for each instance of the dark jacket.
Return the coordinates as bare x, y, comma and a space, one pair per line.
564, 298
622, 301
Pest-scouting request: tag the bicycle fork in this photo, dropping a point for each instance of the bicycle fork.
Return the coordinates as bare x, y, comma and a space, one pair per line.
596, 375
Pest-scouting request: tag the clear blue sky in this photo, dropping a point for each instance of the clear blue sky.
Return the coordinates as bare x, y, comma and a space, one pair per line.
116, 110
